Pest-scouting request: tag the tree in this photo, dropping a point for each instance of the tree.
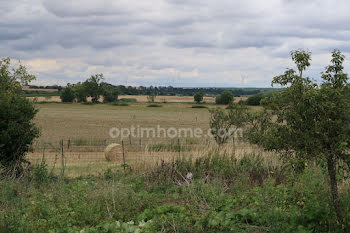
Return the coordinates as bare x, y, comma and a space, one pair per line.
67, 95
109, 93
225, 98
80, 92
313, 121
17, 131
198, 97
225, 122
254, 100
93, 87
151, 97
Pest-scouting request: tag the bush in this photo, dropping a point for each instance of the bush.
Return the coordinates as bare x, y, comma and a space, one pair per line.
80, 93
225, 98
199, 106
128, 100
120, 104
67, 95
109, 93
198, 97
154, 105
255, 99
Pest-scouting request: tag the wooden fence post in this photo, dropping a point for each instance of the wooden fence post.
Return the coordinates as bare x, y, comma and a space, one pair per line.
123, 155
62, 148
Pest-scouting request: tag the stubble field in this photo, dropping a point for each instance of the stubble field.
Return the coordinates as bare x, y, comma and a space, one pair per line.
85, 131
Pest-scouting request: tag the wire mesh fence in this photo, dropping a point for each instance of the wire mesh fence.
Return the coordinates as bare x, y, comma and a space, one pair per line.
82, 156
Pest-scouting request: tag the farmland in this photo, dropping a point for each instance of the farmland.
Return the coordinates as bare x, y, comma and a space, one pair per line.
87, 128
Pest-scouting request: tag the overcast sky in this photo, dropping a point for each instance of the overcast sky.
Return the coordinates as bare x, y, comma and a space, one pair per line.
222, 43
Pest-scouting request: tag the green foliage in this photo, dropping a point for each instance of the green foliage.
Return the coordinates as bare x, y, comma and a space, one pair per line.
198, 97
109, 93
154, 105
11, 79
313, 121
17, 131
199, 106
128, 100
40, 173
225, 194
254, 100
67, 95
226, 97
80, 92
220, 124
93, 87
121, 104
223, 123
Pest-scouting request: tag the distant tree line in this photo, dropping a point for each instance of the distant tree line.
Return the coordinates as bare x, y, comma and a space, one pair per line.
163, 91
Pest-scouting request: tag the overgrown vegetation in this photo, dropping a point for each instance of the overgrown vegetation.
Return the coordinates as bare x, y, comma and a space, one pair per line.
214, 193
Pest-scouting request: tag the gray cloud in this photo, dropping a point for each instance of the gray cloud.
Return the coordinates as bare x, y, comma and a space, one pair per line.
170, 42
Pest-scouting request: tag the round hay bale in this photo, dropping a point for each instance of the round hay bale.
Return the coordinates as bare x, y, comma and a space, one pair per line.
114, 152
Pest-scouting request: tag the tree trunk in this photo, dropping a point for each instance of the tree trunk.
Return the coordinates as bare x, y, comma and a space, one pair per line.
334, 187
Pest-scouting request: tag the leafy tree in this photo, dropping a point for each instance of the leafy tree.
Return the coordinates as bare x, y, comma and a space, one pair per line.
254, 100
225, 122
109, 93
80, 92
313, 121
93, 87
17, 131
151, 97
225, 98
198, 97
67, 94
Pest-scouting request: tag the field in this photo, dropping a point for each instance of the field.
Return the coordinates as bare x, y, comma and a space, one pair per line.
86, 128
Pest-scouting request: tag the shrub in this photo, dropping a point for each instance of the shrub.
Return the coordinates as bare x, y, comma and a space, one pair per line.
198, 97
154, 105
255, 99
109, 93
225, 98
67, 95
120, 104
199, 106
128, 100
40, 174
80, 92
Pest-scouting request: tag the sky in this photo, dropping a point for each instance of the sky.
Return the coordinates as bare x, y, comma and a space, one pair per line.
183, 43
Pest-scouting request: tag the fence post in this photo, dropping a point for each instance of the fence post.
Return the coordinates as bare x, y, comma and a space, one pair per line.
233, 143
43, 158
130, 139
62, 158
123, 155
178, 143
68, 144
140, 143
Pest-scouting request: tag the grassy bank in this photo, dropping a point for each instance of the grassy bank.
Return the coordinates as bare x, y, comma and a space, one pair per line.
214, 193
